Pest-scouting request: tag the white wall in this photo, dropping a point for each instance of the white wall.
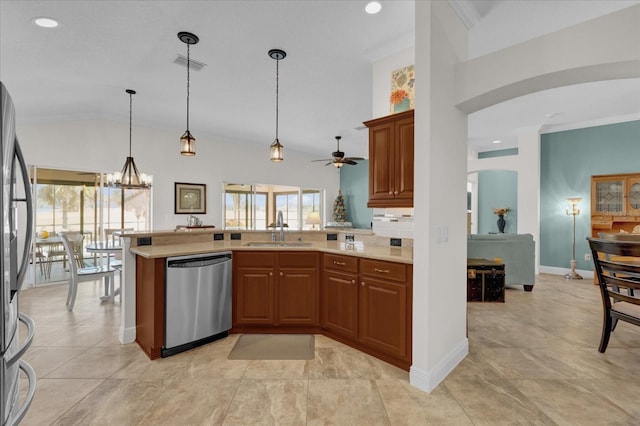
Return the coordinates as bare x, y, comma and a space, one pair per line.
382, 79
439, 275
600, 49
102, 146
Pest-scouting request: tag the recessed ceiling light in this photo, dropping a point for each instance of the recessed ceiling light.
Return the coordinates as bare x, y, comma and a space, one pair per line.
496, 141
373, 7
45, 22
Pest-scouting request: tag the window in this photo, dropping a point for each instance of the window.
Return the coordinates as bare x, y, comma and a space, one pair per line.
256, 206
244, 208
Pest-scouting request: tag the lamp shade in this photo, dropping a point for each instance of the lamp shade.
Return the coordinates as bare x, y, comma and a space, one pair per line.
314, 218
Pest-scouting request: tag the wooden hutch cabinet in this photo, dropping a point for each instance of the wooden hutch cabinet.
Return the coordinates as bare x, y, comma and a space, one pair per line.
391, 160
615, 203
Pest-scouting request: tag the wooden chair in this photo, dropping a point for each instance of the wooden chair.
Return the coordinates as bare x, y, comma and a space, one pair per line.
617, 264
113, 235
78, 275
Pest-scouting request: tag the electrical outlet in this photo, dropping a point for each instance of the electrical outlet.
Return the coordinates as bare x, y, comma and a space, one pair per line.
587, 256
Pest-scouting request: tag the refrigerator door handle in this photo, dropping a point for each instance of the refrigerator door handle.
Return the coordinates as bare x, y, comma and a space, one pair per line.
31, 326
31, 377
29, 201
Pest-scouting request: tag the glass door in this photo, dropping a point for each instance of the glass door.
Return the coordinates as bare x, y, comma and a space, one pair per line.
78, 202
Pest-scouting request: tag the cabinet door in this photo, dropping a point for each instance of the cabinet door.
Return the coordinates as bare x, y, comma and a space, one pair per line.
254, 289
607, 195
633, 196
297, 296
340, 303
381, 158
383, 316
403, 179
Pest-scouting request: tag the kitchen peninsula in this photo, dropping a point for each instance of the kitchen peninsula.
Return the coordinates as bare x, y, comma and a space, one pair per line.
357, 292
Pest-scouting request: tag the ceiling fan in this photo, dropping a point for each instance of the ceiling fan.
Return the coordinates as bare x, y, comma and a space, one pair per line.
339, 159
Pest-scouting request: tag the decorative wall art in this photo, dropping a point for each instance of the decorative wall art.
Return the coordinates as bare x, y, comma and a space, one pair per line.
190, 198
402, 89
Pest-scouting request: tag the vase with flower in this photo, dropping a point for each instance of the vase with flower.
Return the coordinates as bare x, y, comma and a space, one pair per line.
501, 212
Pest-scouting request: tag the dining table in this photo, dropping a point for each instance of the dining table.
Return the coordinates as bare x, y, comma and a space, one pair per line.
109, 248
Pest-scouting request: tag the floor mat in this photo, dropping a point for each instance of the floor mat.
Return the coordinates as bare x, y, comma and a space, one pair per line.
274, 346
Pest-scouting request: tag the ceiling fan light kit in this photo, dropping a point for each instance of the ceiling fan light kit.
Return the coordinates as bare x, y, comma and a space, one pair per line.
187, 141
276, 149
339, 159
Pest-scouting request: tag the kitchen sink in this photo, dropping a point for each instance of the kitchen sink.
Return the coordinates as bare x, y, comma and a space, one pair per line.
277, 244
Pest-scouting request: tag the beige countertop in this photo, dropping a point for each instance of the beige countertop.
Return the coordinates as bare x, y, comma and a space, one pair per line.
359, 249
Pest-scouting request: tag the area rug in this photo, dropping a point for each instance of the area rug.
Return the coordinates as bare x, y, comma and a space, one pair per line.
274, 346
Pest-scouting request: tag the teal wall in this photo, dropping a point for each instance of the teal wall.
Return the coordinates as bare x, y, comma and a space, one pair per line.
497, 188
354, 182
567, 161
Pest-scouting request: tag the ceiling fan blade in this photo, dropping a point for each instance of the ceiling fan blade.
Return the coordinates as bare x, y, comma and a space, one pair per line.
349, 161
353, 158
330, 162
326, 159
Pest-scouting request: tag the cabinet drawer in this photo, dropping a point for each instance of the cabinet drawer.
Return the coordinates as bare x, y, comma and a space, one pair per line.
298, 260
253, 259
341, 263
383, 270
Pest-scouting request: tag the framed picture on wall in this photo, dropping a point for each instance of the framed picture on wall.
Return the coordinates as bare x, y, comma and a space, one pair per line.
190, 198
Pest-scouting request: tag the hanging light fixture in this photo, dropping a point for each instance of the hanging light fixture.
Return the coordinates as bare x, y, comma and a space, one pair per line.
129, 177
187, 141
276, 147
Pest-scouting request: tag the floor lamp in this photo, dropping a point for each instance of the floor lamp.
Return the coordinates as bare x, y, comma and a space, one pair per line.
574, 211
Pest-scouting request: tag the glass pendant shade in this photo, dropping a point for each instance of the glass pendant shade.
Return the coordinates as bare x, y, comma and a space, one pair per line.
187, 144
187, 141
276, 151
129, 177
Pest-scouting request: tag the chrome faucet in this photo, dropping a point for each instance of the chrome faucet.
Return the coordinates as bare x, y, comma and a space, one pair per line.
280, 223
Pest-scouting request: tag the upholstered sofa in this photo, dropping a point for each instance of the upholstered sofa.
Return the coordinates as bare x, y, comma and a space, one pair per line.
517, 252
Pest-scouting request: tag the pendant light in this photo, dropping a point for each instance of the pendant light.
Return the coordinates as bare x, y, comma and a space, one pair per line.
187, 141
276, 148
129, 177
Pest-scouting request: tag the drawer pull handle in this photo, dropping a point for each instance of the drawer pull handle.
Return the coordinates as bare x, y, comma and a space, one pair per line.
353, 281
335, 262
270, 274
362, 283
282, 274
382, 271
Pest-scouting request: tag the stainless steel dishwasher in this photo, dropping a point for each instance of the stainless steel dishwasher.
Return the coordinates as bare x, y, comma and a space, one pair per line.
197, 300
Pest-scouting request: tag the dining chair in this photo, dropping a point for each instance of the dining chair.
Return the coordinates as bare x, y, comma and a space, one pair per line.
617, 264
78, 275
112, 235
58, 252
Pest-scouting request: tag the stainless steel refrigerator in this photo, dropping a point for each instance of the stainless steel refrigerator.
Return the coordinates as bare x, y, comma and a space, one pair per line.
15, 246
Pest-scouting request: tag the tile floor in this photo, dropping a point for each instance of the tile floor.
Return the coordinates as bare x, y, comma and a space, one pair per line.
532, 360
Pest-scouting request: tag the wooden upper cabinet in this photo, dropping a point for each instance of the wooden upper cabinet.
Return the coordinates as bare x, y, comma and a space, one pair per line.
615, 203
391, 141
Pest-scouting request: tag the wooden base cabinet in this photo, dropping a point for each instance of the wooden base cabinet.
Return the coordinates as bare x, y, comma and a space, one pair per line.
340, 295
367, 304
275, 288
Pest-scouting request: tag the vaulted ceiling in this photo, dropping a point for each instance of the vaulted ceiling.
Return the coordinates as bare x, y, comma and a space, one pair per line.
81, 69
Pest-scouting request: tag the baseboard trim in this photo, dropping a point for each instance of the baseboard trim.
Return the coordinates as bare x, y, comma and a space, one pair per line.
428, 380
127, 335
553, 270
